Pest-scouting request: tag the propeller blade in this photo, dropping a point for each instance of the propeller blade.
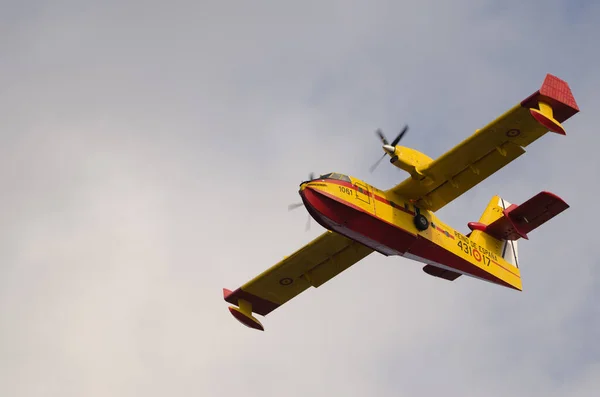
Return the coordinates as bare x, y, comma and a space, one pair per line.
381, 136
388, 147
294, 206
308, 223
395, 141
377, 163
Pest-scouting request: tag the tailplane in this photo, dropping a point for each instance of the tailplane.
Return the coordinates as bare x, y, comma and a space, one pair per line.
508, 250
503, 223
500, 227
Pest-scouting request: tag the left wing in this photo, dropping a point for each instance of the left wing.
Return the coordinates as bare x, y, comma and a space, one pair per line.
312, 265
491, 147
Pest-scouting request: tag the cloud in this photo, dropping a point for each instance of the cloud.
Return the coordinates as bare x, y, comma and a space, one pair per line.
150, 150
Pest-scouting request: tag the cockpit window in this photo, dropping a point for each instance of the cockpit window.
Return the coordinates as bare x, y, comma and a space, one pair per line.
333, 175
341, 177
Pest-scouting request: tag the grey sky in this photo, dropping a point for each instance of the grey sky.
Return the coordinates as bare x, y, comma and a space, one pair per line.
150, 150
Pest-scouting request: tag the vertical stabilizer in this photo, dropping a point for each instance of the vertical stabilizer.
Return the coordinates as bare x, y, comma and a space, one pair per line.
506, 249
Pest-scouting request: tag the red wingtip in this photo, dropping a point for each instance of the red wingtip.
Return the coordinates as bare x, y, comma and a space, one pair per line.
558, 95
226, 293
559, 90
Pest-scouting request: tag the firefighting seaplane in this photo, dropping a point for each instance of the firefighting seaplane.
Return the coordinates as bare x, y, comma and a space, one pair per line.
361, 219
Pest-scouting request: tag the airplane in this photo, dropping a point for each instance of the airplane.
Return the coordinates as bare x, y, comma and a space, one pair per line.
361, 219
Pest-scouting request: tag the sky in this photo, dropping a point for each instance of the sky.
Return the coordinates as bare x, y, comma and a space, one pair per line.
150, 150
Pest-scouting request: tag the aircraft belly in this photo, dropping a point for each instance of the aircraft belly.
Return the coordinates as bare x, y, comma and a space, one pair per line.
342, 217
428, 252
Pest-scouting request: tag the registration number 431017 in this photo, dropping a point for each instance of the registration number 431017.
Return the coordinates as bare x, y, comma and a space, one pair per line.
474, 252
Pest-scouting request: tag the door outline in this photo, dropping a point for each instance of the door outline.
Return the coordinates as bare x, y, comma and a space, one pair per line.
362, 192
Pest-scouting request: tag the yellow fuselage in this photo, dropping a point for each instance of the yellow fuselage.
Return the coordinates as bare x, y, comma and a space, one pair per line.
386, 223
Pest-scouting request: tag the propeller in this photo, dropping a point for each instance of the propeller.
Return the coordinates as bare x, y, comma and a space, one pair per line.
389, 148
292, 207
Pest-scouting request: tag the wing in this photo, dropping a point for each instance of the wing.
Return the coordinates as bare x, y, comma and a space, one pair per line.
491, 147
311, 266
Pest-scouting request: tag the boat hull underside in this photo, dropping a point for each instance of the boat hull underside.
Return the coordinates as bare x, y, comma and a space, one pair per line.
385, 238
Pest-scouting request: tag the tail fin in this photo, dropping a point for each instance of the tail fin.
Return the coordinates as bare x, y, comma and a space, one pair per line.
503, 223
508, 250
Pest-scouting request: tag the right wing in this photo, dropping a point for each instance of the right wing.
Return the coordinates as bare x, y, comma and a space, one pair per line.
311, 266
490, 148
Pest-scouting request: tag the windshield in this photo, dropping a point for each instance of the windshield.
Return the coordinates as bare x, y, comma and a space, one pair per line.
334, 175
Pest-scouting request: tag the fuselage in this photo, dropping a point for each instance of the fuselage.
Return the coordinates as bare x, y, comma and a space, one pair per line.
386, 224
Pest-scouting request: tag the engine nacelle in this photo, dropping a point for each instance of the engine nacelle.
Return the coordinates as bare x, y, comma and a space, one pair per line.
410, 160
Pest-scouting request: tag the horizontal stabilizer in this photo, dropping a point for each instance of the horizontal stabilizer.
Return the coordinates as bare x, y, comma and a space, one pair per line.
519, 220
441, 273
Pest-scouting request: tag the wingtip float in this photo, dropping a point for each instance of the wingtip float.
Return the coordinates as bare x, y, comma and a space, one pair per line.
243, 313
552, 104
361, 219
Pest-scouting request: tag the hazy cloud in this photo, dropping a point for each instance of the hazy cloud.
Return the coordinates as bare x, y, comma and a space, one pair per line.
150, 150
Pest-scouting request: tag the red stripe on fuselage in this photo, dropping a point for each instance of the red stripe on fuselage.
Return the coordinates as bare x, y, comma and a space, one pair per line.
368, 192
508, 270
381, 199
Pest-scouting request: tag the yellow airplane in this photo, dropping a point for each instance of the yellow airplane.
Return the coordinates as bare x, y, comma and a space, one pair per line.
401, 221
